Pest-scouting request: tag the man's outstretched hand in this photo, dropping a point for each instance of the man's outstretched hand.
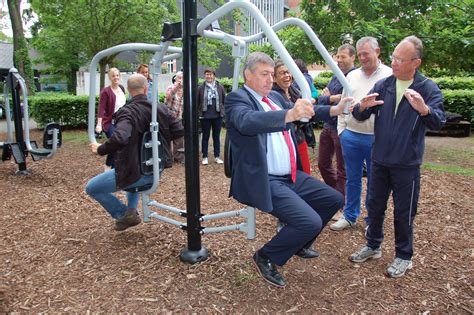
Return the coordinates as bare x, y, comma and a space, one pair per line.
303, 109
369, 101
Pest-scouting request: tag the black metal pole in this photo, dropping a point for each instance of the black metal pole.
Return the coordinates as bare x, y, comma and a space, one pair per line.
194, 252
18, 121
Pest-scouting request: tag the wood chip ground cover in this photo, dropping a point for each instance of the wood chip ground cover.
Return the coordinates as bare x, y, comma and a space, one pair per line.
59, 253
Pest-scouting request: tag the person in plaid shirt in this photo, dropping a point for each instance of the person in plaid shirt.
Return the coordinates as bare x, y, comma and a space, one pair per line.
174, 102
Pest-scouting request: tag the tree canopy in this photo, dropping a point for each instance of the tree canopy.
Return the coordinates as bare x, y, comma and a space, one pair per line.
445, 26
70, 33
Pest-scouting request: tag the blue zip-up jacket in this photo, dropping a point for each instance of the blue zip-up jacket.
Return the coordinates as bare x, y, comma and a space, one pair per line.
335, 87
400, 138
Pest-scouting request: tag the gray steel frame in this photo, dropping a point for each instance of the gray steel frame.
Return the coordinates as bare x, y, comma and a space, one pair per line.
8, 114
239, 50
270, 32
26, 117
160, 50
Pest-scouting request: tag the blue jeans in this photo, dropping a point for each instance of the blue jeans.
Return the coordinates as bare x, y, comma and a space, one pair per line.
206, 125
109, 160
356, 147
103, 185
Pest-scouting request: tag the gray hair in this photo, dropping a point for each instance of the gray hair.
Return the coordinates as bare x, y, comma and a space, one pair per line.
349, 47
368, 39
417, 43
256, 58
136, 82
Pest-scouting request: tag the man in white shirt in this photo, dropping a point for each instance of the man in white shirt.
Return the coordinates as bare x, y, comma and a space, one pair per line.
266, 169
357, 137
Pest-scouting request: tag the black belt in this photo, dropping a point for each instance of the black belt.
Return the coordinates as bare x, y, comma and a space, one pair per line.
280, 177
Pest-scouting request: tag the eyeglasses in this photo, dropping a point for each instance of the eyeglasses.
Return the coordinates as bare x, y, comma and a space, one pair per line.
283, 73
400, 60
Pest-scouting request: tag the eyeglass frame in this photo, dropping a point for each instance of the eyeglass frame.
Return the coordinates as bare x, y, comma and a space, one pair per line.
400, 60
284, 73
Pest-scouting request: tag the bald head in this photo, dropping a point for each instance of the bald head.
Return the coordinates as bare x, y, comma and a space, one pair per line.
137, 84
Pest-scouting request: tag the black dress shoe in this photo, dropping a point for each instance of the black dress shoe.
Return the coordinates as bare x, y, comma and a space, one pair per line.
307, 253
268, 270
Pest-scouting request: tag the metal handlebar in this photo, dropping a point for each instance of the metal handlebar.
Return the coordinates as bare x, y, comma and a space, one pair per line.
269, 32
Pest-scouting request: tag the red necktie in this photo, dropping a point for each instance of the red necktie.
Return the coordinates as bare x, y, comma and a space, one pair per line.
286, 135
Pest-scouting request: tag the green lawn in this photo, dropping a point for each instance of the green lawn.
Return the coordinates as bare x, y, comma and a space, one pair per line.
76, 136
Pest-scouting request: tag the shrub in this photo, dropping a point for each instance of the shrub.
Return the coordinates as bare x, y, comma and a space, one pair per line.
321, 82
227, 83
455, 83
72, 111
444, 83
432, 72
325, 74
66, 109
460, 102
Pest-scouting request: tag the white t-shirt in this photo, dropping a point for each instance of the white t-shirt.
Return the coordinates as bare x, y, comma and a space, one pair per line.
119, 99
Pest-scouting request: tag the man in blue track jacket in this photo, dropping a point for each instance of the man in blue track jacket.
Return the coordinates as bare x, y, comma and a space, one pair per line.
405, 104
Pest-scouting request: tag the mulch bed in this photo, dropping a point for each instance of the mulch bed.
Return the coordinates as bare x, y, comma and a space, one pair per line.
59, 253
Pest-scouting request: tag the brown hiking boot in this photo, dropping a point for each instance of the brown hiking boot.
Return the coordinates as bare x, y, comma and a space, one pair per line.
130, 218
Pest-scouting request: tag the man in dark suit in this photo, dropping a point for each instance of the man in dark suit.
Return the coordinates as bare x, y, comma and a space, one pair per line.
266, 170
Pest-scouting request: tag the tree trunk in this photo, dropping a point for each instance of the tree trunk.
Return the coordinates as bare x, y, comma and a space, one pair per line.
72, 80
102, 65
21, 59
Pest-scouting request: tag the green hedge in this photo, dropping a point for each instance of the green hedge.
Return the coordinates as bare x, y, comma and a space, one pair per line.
72, 111
65, 109
460, 102
227, 83
325, 74
455, 83
68, 110
444, 83
321, 82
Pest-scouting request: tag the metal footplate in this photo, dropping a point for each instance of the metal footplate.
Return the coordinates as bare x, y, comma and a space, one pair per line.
6, 152
17, 153
38, 153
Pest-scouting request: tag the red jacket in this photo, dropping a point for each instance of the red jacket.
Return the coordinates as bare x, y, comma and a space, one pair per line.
107, 106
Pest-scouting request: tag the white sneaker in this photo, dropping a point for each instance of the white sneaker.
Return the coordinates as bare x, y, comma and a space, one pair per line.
398, 267
337, 216
365, 253
341, 224
218, 160
205, 161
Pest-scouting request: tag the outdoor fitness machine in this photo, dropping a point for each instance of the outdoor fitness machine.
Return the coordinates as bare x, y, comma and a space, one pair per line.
150, 156
20, 149
188, 31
